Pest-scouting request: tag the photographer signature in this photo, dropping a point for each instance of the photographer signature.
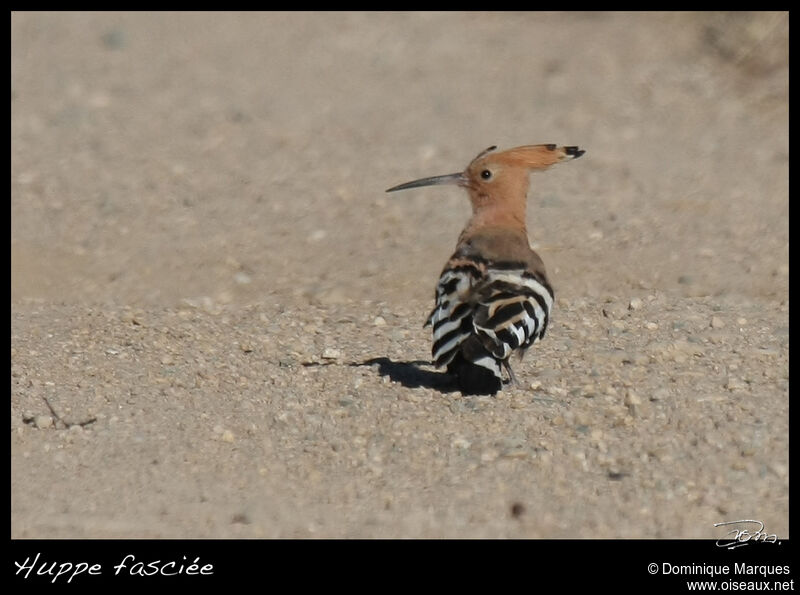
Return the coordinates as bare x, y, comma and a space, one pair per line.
742, 536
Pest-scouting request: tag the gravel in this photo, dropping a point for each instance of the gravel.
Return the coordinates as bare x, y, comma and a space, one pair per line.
676, 419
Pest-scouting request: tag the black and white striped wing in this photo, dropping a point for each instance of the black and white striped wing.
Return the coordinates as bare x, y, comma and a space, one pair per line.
452, 316
507, 309
512, 312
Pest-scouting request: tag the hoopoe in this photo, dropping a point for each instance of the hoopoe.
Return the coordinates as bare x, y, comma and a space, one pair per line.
493, 296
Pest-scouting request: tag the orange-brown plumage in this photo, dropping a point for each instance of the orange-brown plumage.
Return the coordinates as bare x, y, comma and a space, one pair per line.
493, 296
501, 200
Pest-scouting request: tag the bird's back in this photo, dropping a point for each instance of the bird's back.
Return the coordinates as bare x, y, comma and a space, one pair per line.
492, 299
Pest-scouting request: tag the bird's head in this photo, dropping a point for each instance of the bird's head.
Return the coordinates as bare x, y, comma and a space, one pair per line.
494, 178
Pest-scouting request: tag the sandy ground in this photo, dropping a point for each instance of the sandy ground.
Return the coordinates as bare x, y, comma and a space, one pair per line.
216, 322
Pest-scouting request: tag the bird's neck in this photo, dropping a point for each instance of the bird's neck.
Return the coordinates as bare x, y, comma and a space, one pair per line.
497, 215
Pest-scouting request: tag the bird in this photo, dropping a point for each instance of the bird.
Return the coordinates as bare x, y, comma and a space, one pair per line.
493, 297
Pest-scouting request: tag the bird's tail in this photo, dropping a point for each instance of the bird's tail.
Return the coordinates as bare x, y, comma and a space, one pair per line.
477, 371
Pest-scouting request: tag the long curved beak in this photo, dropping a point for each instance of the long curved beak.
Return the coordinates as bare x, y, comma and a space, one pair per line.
458, 179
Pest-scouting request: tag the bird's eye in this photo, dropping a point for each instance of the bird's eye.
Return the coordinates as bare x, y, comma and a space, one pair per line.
486, 174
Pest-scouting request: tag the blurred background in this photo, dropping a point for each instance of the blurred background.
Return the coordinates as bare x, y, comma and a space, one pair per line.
228, 158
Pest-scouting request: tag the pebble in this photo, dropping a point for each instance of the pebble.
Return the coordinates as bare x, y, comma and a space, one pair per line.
461, 443
613, 310
489, 455
635, 304
517, 403
717, 322
556, 391
129, 316
379, 321
331, 353
733, 383
43, 421
660, 394
636, 406
779, 469
632, 398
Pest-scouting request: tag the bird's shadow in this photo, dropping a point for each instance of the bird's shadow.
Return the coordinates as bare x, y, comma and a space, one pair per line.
410, 375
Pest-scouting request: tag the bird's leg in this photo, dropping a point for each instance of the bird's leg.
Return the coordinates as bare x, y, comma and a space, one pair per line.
511, 377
